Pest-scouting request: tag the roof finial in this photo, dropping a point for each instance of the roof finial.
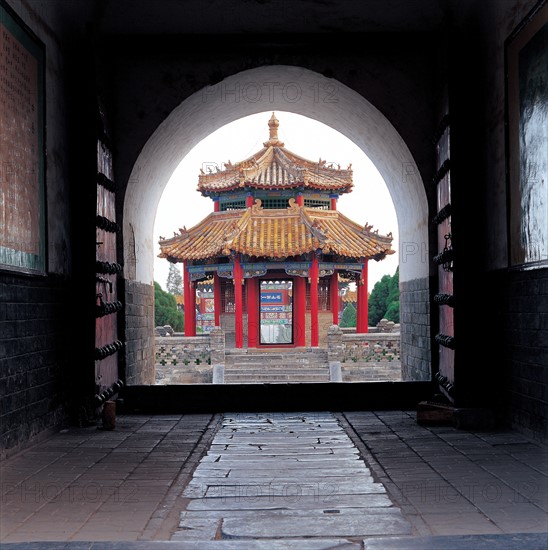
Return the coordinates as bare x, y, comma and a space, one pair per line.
273, 124
273, 140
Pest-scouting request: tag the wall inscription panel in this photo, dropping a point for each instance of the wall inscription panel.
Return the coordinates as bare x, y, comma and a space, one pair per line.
22, 208
527, 112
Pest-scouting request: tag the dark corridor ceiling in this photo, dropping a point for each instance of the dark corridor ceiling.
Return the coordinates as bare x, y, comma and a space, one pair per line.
225, 17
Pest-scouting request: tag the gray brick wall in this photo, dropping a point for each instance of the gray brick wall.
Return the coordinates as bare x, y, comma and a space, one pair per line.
521, 349
35, 352
415, 330
139, 326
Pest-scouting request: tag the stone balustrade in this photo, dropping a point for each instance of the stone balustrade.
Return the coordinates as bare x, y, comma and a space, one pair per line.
362, 357
183, 359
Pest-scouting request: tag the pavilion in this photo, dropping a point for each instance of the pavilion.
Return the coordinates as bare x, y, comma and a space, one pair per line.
276, 245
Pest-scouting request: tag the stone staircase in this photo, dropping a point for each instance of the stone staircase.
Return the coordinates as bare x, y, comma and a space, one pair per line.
248, 366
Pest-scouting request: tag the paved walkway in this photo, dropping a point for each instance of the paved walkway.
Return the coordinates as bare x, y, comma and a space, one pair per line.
286, 475
154, 477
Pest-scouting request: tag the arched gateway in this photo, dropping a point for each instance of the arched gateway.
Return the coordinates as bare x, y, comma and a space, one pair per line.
344, 110
275, 246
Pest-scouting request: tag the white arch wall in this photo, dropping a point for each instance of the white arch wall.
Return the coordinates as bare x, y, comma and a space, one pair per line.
274, 88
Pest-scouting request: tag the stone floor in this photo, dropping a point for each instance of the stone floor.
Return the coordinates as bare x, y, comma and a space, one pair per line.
389, 483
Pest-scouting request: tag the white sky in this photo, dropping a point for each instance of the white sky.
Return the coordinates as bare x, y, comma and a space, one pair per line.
369, 202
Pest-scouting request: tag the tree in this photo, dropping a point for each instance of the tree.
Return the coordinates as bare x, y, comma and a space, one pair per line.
393, 301
348, 318
378, 300
174, 283
165, 310
384, 301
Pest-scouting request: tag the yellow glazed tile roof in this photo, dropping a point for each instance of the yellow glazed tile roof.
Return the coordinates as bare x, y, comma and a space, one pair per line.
275, 167
350, 297
278, 233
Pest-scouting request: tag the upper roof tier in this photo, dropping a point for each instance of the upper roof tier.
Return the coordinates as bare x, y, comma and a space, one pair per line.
275, 167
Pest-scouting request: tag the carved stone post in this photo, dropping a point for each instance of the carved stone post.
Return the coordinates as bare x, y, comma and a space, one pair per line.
334, 343
217, 336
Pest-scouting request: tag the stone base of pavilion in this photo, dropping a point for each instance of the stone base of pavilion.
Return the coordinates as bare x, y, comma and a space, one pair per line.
345, 356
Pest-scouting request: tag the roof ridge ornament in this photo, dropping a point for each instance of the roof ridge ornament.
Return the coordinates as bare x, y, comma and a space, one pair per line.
293, 206
273, 140
256, 207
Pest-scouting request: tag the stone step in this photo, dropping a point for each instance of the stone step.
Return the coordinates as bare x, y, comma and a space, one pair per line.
276, 378
284, 365
279, 376
271, 360
273, 372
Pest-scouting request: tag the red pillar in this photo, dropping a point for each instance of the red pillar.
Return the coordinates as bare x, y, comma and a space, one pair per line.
362, 324
333, 201
189, 294
359, 307
299, 323
334, 289
216, 205
217, 299
299, 199
249, 200
239, 313
314, 329
193, 308
252, 312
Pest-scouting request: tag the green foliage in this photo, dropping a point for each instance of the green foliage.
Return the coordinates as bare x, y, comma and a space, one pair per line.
348, 318
165, 310
174, 282
384, 301
393, 312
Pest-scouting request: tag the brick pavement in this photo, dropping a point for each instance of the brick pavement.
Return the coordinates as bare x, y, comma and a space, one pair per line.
457, 489
86, 484
455, 482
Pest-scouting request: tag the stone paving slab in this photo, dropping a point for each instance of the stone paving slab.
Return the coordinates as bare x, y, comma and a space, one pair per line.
251, 502
289, 488
291, 463
276, 473
281, 523
346, 522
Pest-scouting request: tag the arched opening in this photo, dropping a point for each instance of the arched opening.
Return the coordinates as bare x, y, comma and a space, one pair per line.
280, 88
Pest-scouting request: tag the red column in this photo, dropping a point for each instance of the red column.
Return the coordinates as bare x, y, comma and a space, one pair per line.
216, 205
299, 199
217, 299
299, 323
314, 329
192, 308
239, 321
334, 289
333, 201
362, 324
252, 312
189, 294
249, 200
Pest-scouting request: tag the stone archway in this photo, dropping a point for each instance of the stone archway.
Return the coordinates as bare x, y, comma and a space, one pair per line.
301, 91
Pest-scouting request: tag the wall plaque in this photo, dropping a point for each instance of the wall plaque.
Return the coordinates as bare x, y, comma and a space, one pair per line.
527, 114
22, 181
